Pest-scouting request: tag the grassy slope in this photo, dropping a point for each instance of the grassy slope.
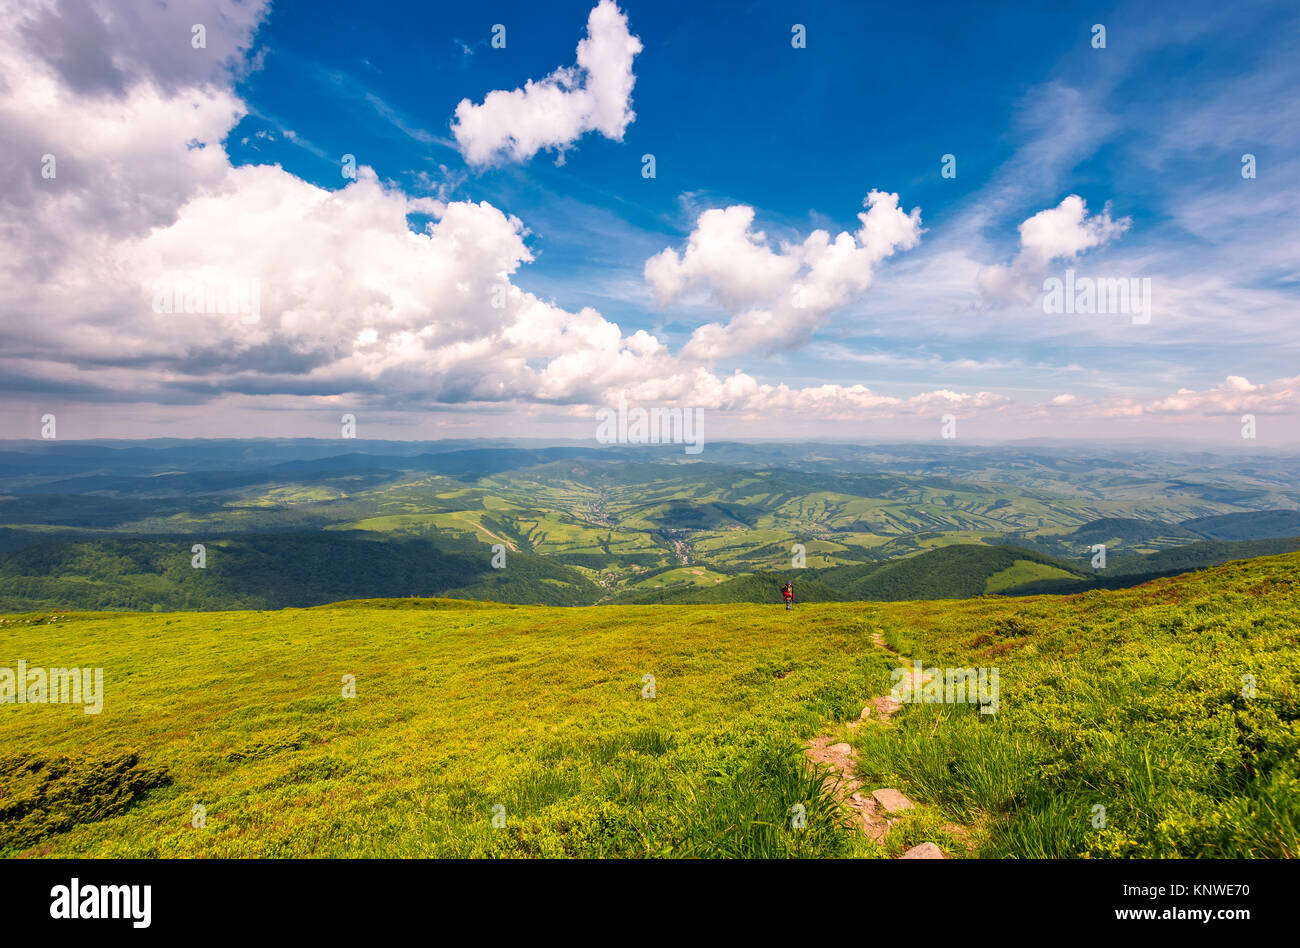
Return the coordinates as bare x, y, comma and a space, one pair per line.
459, 707
1132, 700
1021, 572
1129, 699
749, 588
1200, 555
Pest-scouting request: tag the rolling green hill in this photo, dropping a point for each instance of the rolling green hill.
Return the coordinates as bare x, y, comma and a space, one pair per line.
741, 509
951, 572
1119, 530
270, 572
1200, 555
962, 571
1251, 525
606, 522
666, 730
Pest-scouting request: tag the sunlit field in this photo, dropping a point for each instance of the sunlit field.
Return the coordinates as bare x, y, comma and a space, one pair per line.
488, 730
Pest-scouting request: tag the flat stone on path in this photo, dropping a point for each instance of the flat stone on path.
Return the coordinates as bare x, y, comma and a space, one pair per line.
885, 706
924, 851
892, 801
840, 749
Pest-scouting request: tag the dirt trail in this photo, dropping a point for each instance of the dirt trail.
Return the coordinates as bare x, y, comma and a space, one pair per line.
874, 812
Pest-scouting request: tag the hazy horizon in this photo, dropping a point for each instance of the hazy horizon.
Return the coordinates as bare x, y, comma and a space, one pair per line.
1170, 445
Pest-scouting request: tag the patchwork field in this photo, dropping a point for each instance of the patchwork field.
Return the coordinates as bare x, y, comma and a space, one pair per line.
98, 527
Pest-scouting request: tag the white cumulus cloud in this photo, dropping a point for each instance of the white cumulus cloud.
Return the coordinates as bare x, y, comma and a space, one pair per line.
776, 297
354, 309
1058, 233
554, 112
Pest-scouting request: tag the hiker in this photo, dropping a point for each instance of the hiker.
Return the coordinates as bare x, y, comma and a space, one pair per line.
788, 593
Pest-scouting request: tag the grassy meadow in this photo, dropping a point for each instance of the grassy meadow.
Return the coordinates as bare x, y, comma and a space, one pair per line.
1133, 700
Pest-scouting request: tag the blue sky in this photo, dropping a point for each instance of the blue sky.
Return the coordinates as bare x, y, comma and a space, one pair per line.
1149, 132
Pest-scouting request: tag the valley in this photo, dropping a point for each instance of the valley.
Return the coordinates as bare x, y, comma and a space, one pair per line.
110, 528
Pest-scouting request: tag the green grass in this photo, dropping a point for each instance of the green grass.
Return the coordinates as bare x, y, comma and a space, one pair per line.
1133, 701
684, 575
459, 707
1021, 572
1129, 699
